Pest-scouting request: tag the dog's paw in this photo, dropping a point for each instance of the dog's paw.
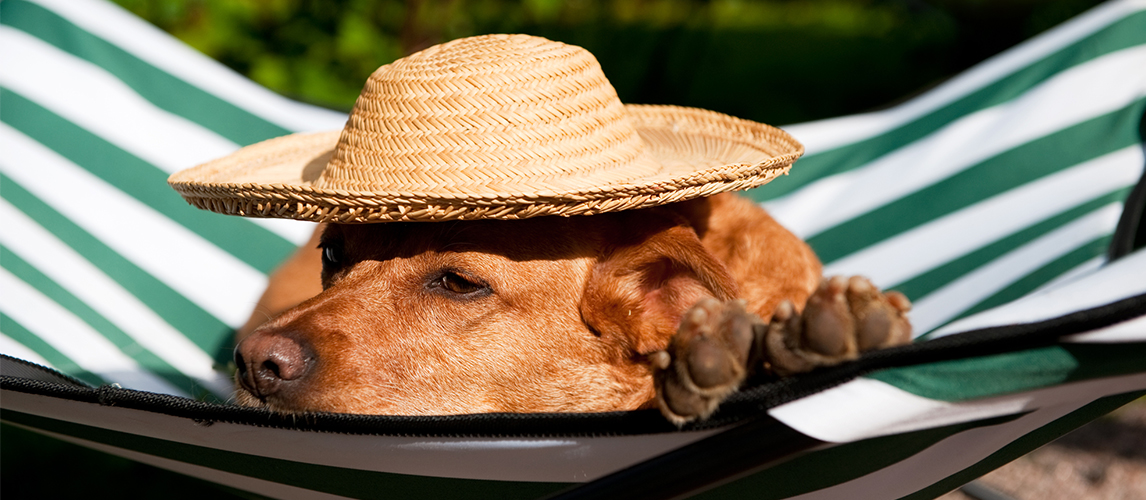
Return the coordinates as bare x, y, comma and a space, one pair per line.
708, 358
843, 318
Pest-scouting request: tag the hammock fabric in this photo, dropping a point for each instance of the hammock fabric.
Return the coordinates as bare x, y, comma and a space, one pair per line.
1003, 203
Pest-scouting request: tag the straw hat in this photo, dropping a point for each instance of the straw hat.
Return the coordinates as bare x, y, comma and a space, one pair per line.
491, 127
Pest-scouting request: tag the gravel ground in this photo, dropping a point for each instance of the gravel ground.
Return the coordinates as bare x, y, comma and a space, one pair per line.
1103, 460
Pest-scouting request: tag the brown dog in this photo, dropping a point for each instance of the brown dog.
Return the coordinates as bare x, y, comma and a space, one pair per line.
553, 314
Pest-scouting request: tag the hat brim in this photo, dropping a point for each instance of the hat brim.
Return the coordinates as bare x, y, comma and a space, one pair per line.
702, 153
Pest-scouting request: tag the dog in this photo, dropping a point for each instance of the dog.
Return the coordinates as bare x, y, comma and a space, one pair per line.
504, 235
637, 309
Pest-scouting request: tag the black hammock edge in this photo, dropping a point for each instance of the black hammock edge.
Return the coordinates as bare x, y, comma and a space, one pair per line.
740, 408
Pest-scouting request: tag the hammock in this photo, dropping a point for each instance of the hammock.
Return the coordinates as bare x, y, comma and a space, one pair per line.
1006, 203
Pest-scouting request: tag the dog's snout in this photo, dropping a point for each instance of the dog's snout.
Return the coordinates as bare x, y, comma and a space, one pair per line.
268, 363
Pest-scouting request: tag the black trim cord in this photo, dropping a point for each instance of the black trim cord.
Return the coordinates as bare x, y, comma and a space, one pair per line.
18, 368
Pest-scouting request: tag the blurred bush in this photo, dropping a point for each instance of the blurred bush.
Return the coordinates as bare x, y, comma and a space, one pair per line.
778, 61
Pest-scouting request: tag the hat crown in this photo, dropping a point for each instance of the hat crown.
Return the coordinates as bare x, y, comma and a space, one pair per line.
495, 113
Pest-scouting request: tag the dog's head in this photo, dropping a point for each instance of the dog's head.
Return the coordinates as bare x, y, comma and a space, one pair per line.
546, 314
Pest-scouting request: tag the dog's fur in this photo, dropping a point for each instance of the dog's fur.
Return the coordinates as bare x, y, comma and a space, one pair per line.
554, 314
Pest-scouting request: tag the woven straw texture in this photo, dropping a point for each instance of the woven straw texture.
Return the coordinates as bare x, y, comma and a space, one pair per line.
491, 127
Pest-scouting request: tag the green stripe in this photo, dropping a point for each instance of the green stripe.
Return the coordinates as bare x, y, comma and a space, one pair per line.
930, 281
1041, 276
247, 241
1003, 172
121, 340
984, 376
64, 364
1026, 444
839, 464
162, 89
206, 331
1127, 32
988, 376
353, 483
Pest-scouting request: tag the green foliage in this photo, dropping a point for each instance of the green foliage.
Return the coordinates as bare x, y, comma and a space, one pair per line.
778, 61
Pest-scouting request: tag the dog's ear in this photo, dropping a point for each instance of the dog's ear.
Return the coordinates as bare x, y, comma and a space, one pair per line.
637, 292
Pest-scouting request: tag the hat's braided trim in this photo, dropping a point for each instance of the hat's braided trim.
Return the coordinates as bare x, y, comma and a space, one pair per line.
301, 203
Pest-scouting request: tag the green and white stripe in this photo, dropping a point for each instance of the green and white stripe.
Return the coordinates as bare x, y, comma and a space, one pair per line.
96, 109
841, 144
180, 77
989, 186
1101, 30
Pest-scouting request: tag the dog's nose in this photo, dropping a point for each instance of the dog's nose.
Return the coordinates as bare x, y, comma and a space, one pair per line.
269, 363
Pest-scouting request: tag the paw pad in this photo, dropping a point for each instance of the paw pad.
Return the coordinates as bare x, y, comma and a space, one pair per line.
706, 360
843, 318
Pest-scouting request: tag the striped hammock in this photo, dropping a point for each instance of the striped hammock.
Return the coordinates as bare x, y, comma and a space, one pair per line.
994, 201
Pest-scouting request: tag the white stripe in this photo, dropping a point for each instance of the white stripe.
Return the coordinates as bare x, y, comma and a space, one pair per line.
947, 302
1118, 280
218, 282
17, 350
94, 99
88, 283
819, 136
1100, 86
74, 338
1127, 331
886, 410
865, 408
899, 258
137, 37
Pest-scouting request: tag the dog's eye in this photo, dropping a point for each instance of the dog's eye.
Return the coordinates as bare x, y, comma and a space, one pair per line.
455, 283
331, 256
